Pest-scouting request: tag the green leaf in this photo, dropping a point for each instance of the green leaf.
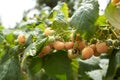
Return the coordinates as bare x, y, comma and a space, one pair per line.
29, 40
60, 8
10, 37
41, 25
32, 50
59, 17
59, 24
88, 65
84, 18
32, 66
1, 27
61, 77
40, 44
1, 38
101, 21
57, 64
35, 48
113, 15
10, 70
64, 10
8, 53
112, 65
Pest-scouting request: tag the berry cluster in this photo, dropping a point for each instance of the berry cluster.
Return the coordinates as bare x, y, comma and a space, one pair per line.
75, 47
94, 49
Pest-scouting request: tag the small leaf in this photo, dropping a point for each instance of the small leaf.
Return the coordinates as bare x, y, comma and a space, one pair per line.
59, 24
40, 44
30, 50
60, 8
35, 47
29, 40
1, 38
101, 21
41, 26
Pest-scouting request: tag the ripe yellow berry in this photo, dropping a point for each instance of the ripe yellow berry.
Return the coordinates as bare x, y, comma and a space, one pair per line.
21, 38
93, 46
87, 53
69, 45
45, 50
48, 31
81, 45
101, 47
58, 45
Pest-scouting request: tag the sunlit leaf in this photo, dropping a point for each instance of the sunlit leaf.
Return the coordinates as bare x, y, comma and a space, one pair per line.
113, 15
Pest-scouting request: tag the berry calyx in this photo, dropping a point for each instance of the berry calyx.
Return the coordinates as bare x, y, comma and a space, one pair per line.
72, 54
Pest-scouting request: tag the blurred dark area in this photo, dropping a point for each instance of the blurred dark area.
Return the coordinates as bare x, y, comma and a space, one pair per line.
72, 4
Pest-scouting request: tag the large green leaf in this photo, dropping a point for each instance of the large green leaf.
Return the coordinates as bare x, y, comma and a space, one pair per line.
10, 70
88, 65
32, 66
10, 66
84, 18
58, 64
113, 15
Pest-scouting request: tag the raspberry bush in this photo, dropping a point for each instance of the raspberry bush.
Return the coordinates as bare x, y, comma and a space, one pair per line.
60, 44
